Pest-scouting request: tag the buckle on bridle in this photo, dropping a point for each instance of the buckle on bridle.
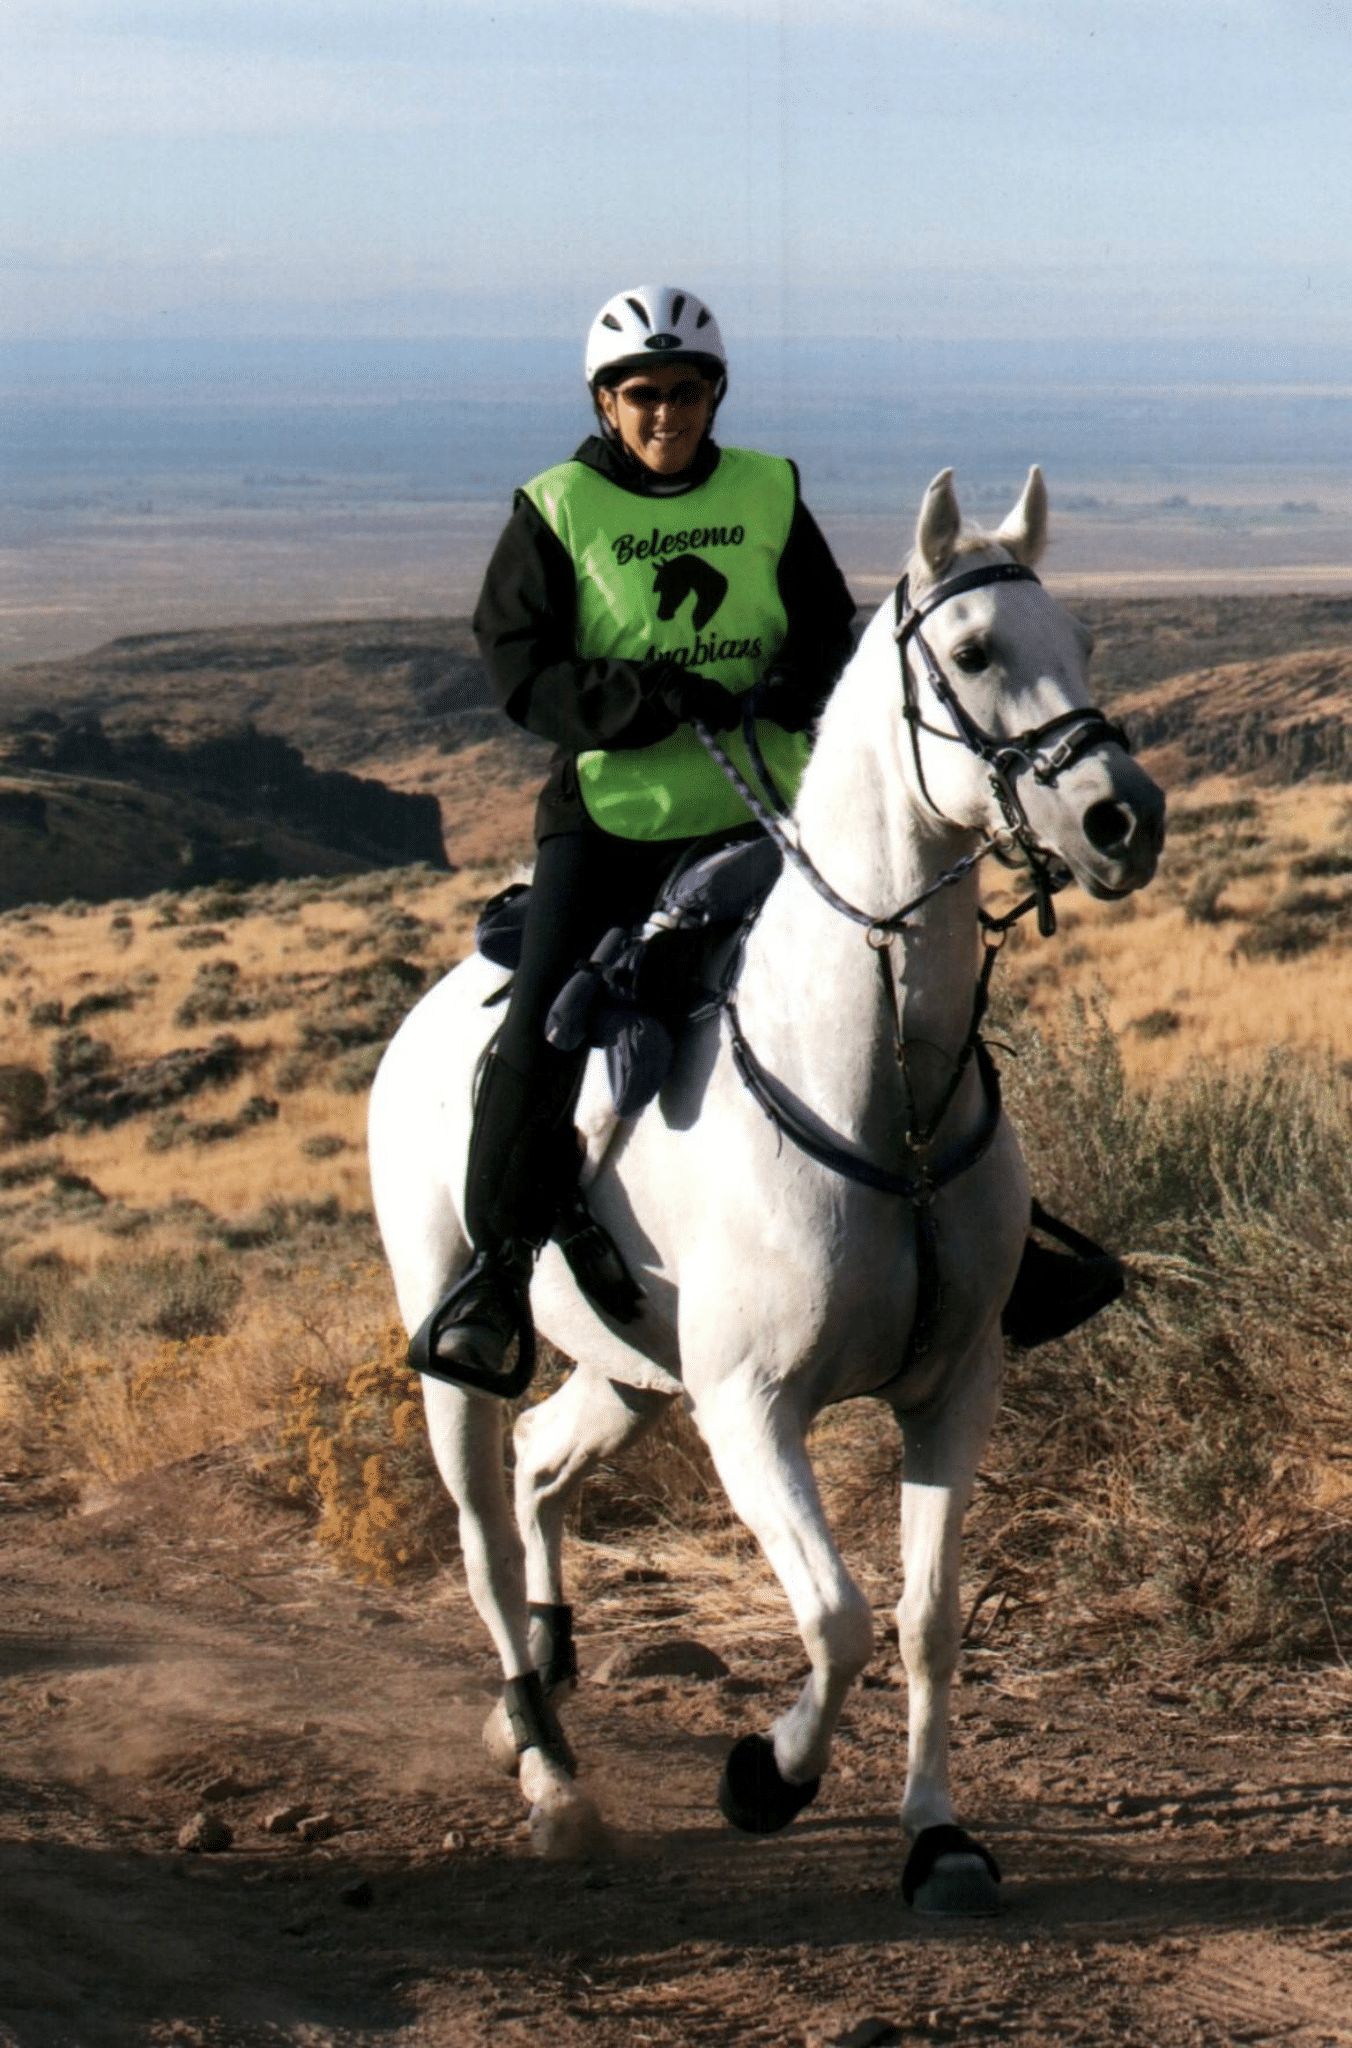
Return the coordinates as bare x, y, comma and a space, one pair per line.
1059, 758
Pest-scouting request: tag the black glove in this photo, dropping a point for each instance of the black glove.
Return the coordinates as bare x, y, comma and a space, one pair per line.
786, 704
690, 696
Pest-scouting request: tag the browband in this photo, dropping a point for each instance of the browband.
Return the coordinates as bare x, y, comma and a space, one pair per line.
909, 616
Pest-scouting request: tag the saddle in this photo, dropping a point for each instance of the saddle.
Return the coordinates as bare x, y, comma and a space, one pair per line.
643, 984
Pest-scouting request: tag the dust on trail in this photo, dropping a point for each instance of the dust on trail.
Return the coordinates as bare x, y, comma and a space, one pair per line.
1174, 1875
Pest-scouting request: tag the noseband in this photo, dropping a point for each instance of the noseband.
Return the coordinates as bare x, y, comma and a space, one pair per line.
1074, 733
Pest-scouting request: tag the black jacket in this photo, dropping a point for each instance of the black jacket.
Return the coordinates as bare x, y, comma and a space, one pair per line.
525, 626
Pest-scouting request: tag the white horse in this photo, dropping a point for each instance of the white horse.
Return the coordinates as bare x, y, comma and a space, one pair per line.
775, 1284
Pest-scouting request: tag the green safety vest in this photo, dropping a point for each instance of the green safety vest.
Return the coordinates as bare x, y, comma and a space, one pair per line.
692, 579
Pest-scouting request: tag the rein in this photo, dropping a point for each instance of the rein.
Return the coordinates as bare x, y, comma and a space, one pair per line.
884, 927
1074, 733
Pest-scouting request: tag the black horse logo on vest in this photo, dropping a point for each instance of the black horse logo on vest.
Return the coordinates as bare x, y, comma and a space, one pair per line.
683, 575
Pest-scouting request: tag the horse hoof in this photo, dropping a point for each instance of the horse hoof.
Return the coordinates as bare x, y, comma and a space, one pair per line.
959, 1885
753, 1795
568, 1829
949, 1872
499, 1739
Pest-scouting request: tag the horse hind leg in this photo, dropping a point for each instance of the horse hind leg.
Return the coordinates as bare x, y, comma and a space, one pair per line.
762, 1461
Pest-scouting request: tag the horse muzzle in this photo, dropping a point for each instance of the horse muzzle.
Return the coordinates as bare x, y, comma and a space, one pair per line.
1104, 818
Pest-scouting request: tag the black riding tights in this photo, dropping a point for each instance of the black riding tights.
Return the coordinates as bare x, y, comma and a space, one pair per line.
521, 1154
585, 882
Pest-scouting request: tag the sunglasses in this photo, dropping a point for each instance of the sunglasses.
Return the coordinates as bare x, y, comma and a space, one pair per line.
647, 397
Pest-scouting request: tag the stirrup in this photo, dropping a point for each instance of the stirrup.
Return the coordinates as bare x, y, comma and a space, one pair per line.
513, 1379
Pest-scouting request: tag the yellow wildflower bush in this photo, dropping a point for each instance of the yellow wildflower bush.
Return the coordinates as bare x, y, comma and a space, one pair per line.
355, 1446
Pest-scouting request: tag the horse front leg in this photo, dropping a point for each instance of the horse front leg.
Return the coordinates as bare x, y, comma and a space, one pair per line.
946, 1872
522, 1733
757, 1444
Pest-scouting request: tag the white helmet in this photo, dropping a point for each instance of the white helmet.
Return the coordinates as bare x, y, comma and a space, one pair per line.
654, 323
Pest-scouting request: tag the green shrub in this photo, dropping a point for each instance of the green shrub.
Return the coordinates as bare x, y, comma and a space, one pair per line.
24, 1103
1327, 860
99, 1001
164, 1294
216, 995
22, 1300
1156, 1024
325, 1145
354, 1073
1206, 818
1283, 935
1167, 1457
1202, 902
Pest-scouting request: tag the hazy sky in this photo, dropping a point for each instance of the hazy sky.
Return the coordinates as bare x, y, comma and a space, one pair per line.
953, 168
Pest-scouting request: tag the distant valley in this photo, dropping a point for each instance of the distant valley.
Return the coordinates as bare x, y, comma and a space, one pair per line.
115, 779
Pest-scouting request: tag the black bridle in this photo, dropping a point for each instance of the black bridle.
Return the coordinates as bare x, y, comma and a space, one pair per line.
1075, 732
1045, 750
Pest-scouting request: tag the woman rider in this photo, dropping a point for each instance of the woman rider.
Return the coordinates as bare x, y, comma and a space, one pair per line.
652, 579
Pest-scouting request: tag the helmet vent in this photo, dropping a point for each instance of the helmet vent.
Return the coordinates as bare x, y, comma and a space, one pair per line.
677, 308
705, 316
609, 320
640, 309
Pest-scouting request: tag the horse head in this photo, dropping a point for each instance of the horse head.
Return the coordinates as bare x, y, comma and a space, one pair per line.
1003, 736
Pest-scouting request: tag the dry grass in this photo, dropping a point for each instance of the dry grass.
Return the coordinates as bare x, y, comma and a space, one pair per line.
487, 794
160, 1295
1149, 955
291, 943
1181, 1462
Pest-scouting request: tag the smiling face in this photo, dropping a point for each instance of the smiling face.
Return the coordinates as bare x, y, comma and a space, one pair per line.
661, 414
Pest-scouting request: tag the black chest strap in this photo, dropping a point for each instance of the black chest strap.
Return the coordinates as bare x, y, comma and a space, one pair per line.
917, 1184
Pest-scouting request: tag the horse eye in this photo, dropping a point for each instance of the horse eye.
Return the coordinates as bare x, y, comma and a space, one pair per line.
972, 658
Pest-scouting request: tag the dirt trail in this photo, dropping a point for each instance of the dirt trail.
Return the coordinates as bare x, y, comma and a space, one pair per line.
1175, 1875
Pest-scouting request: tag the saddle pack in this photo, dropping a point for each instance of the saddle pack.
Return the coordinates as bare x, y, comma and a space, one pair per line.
644, 983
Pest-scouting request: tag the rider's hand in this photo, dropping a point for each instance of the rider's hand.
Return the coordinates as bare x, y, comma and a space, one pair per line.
785, 704
692, 697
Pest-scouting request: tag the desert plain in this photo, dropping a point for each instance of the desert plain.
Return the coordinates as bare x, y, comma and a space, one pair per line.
233, 1607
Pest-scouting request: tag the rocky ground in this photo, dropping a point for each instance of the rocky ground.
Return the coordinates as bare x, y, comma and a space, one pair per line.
1178, 1864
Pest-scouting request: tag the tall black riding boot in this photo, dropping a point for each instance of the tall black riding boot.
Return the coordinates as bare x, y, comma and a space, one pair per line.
1055, 1291
522, 1158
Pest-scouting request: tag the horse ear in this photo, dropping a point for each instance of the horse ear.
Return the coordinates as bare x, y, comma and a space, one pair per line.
936, 533
1024, 533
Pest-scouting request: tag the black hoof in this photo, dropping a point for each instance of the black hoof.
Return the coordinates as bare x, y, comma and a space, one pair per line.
751, 1793
948, 1871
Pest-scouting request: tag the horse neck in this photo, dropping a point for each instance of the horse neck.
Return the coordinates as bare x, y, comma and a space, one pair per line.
811, 996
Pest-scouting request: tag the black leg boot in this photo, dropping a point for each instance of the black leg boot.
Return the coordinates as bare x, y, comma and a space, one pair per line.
521, 1157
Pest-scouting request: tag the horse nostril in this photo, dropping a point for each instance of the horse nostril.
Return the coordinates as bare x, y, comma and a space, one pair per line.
1107, 826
